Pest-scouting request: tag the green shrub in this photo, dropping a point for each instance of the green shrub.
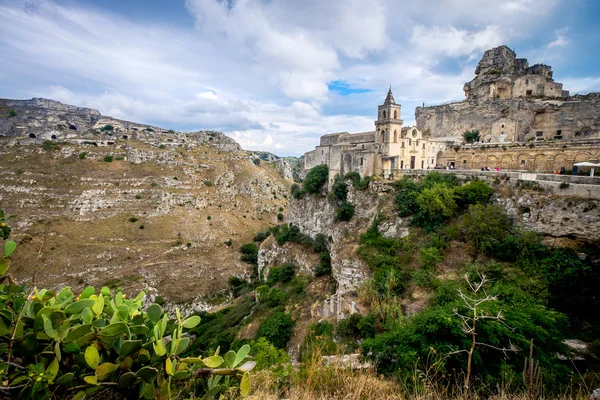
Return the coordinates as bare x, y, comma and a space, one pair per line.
277, 329
249, 253
256, 162
429, 257
282, 274
149, 130
348, 328
208, 183
82, 155
142, 226
406, 198
120, 158
296, 192
133, 219
268, 356
236, 285
12, 113
162, 146
486, 226
315, 179
345, 211
49, 145
261, 236
475, 192
436, 205
324, 267
563, 185
107, 128
276, 298
339, 189
228, 242
279, 217
138, 196
108, 158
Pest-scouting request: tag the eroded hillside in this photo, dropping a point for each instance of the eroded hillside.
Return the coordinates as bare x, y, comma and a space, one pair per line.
167, 218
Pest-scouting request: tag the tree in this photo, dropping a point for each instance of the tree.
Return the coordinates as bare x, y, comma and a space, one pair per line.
277, 329
471, 136
487, 226
475, 302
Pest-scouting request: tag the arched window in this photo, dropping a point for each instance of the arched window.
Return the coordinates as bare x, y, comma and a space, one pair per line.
395, 114
522, 163
395, 136
384, 114
382, 136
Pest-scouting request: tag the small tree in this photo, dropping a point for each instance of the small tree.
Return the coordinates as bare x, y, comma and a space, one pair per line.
12, 113
316, 179
475, 303
471, 136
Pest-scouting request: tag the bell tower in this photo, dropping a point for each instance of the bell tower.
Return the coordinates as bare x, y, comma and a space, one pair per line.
388, 126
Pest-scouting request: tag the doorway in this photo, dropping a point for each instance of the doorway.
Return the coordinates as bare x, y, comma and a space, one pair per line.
412, 162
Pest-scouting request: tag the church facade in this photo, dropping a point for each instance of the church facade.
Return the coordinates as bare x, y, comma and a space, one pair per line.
387, 149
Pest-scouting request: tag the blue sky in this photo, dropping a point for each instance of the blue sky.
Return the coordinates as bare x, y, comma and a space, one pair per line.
275, 75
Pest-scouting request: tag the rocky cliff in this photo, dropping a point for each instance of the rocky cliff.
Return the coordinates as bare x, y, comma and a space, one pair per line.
552, 214
131, 205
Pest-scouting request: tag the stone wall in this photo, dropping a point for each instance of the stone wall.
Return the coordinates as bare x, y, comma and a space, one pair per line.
540, 156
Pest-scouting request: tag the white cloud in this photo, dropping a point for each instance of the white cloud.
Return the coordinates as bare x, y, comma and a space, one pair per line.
258, 70
561, 39
454, 42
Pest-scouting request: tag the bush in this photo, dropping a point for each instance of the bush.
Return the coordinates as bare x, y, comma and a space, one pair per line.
276, 298
563, 185
82, 155
138, 196
49, 145
107, 128
249, 253
162, 146
296, 192
267, 356
256, 162
133, 219
406, 199
12, 113
315, 179
108, 158
471, 136
475, 192
348, 328
277, 329
208, 183
486, 226
279, 217
324, 267
339, 190
437, 202
282, 274
345, 211
261, 236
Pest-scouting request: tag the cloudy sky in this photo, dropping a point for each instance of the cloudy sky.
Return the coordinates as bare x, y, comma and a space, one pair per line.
277, 74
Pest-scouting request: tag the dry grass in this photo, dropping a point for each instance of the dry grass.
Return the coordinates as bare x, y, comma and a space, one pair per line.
317, 381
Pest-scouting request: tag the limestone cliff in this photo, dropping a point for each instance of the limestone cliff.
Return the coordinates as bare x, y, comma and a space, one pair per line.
131, 206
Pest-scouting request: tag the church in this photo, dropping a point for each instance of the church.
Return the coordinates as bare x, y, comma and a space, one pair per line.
390, 147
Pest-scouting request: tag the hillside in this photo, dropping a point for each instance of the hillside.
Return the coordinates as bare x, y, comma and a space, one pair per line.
138, 209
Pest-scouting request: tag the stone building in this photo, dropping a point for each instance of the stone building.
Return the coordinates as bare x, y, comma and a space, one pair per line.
389, 148
526, 120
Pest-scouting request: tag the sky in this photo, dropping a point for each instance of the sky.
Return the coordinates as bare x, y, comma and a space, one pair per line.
277, 74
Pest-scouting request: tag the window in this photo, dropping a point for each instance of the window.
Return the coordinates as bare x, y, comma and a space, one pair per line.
402, 144
395, 114
539, 134
409, 142
528, 92
522, 163
527, 81
321, 152
395, 136
423, 146
464, 161
384, 115
401, 164
361, 161
363, 146
422, 164
558, 134
502, 125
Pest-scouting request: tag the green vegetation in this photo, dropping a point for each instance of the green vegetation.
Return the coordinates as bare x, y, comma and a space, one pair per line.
56, 345
108, 158
107, 128
12, 113
256, 162
138, 196
316, 179
82, 155
471, 136
277, 329
49, 145
279, 217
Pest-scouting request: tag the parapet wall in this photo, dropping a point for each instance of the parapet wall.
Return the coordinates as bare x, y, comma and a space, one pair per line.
578, 186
